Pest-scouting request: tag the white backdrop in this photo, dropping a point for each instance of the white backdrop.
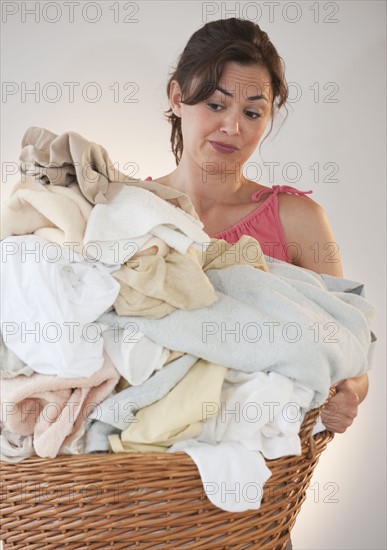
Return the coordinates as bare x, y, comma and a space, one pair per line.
100, 68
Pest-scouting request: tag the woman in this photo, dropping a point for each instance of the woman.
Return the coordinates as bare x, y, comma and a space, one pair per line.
228, 84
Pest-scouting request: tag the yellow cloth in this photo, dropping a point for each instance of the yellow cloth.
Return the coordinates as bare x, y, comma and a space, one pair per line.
176, 416
153, 286
246, 251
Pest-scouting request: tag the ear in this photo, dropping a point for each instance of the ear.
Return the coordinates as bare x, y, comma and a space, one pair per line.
175, 97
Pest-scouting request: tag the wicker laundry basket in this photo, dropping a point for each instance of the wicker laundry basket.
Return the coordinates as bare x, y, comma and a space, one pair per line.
146, 501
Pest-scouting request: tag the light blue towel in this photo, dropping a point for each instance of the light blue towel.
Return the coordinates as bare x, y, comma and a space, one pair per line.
285, 321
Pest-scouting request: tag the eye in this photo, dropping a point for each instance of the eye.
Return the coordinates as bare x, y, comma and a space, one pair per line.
252, 114
214, 106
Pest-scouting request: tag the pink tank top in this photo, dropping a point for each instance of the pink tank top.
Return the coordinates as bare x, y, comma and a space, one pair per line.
263, 223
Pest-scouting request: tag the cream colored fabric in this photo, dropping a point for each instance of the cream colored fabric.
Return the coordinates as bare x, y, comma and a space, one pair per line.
58, 214
153, 286
176, 416
220, 254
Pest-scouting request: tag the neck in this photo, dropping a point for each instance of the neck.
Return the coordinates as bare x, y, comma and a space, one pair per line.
207, 186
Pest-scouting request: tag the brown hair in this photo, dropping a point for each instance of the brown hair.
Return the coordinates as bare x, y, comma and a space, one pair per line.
204, 57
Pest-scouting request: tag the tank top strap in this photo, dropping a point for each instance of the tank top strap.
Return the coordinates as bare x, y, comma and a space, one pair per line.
276, 189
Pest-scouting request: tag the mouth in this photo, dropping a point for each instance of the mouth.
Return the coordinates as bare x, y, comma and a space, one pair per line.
225, 148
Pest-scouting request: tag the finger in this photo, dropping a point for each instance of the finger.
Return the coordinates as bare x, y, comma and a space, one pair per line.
339, 422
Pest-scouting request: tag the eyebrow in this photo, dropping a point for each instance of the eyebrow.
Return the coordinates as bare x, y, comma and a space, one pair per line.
252, 98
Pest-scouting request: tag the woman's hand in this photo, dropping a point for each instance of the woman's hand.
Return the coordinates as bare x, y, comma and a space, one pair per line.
341, 410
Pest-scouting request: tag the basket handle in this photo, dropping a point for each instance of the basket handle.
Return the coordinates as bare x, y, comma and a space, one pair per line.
308, 424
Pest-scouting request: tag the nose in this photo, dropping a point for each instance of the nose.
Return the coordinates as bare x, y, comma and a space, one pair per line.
230, 124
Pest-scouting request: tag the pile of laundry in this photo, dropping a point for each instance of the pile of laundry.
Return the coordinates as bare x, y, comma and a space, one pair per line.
126, 328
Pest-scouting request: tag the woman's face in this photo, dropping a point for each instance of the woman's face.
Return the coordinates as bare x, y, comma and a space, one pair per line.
222, 132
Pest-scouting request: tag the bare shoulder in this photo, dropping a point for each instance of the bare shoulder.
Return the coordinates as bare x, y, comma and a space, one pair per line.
306, 225
298, 213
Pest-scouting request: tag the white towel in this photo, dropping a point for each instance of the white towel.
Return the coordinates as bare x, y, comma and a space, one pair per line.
50, 307
122, 226
134, 355
260, 416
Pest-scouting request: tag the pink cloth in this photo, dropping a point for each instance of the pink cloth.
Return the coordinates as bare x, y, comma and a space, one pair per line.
263, 223
51, 408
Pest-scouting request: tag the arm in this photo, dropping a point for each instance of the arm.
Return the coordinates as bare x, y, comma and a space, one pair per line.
305, 223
